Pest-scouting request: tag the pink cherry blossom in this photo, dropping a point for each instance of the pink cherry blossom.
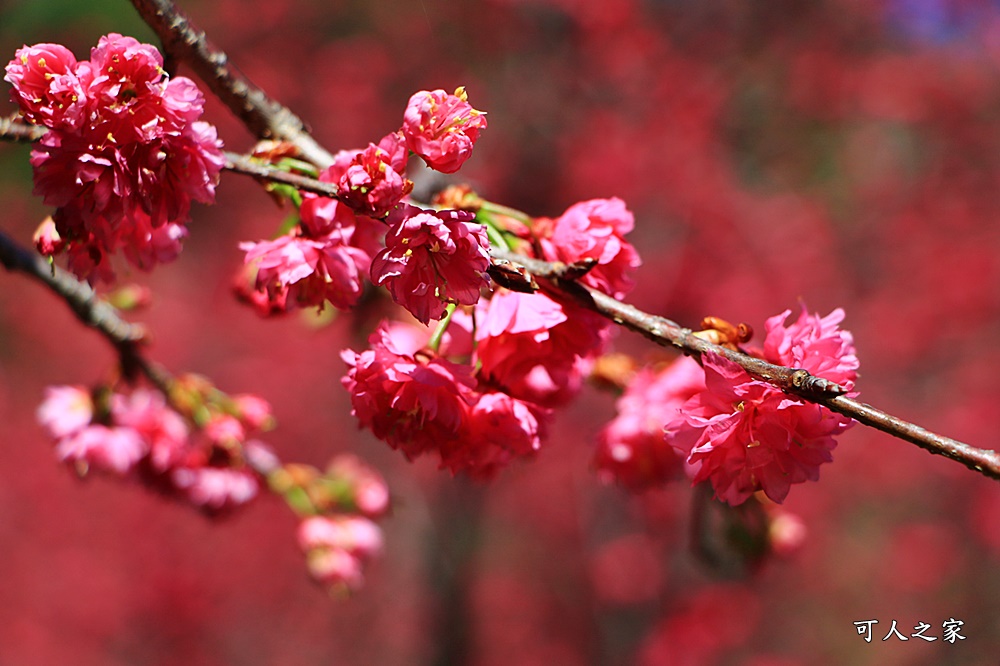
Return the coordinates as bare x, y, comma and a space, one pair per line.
65, 410
595, 230
46, 86
169, 172
744, 435
499, 429
215, 489
368, 489
533, 346
414, 403
254, 411
355, 534
432, 258
126, 153
631, 449
109, 449
164, 431
323, 259
308, 272
814, 344
338, 547
441, 128
371, 180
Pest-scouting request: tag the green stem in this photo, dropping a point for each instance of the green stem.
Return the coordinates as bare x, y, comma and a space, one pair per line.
435, 341
513, 213
497, 237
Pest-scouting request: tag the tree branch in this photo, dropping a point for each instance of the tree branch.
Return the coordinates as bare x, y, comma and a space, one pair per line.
268, 119
790, 380
263, 116
90, 309
15, 130
262, 171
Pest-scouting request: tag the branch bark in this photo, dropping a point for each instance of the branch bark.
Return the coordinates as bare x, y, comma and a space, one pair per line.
126, 338
790, 380
263, 116
266, 118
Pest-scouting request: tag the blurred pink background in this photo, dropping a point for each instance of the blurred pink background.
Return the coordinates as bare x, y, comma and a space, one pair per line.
845, 153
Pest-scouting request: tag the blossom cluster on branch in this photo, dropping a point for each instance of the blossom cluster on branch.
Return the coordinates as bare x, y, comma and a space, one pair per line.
726, 428
124, 156
209, 462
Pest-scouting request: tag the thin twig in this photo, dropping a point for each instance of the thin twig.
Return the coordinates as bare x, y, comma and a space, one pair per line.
263, 116
791, 380
90, 309
15, 130
250, 167
127, 339
267, 118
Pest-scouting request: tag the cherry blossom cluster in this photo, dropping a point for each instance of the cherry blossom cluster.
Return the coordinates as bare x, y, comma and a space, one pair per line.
136, 435
722, 426
479, 393
429, 258
339, 505
482, 395
124, 156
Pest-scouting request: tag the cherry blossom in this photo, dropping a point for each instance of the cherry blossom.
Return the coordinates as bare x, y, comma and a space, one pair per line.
813, 343
631, 449
432, 258
371, 180
412, 402
744, 435
499, 429
337, 547
593, 230
533, 347
322, 260
441, 128
125, 154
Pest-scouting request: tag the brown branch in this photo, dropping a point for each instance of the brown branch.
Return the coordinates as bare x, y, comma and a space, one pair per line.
249, 167
267, 118
90, 309
791, 380
263, 116
127, 339
15, 130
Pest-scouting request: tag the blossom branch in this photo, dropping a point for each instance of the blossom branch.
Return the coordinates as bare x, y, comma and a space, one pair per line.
263, 116
267, 118
249, 167
93, 311
126, 338
558, 279
12, 129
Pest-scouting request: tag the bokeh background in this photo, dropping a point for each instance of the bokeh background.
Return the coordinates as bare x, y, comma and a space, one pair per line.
841, 152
